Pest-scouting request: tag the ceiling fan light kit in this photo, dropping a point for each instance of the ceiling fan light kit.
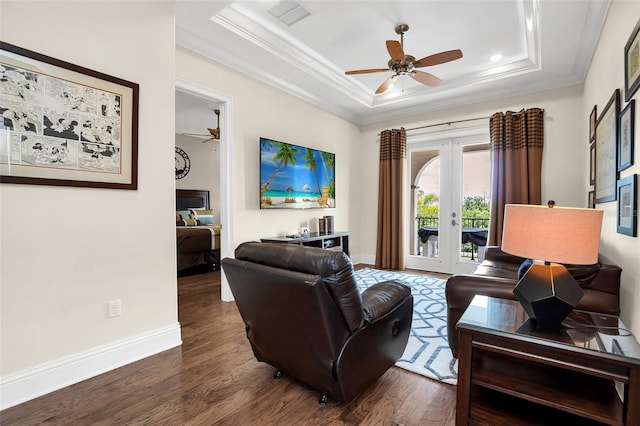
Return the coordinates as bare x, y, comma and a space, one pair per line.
215, 133
403, 64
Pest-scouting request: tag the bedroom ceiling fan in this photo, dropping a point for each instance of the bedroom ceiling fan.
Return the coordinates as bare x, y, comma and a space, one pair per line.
402, 64
214, 134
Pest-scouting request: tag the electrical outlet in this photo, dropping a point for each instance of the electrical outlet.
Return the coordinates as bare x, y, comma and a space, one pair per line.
115, 308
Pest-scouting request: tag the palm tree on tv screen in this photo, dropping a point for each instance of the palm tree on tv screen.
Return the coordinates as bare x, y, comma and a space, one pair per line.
286, 154
311, 164
329, 159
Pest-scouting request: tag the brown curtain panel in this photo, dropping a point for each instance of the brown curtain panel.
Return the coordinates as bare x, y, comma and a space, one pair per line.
390, 243
517, 139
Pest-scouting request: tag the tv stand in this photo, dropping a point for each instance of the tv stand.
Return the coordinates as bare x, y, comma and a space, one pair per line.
337, 241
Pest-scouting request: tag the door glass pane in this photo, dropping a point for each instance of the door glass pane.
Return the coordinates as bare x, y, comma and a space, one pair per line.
475, 202
425, 173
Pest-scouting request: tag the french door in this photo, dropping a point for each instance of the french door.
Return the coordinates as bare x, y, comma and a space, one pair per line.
448, 204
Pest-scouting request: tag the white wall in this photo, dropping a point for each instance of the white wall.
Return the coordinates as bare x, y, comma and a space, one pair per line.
65, 251
205, 169
562, 145
605, 75
260, 110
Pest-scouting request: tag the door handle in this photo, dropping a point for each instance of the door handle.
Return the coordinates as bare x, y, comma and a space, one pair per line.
454, 223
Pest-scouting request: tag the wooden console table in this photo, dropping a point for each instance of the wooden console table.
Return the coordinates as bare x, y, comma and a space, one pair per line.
338, 241
512, 373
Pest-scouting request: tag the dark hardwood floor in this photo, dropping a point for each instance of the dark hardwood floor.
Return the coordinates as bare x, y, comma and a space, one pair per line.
213, 378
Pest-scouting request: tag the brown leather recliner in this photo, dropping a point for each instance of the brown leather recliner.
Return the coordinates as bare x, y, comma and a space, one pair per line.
304, 315
497, 276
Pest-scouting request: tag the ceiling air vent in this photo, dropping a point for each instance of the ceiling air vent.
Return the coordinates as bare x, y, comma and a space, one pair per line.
289, 12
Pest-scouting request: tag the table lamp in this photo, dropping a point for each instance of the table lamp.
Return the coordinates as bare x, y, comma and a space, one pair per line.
550, 235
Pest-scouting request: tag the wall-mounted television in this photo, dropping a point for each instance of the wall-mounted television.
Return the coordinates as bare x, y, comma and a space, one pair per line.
296, 177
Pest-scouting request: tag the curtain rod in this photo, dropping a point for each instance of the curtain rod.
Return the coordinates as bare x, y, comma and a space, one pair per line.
451, 122
445, 123
448, 123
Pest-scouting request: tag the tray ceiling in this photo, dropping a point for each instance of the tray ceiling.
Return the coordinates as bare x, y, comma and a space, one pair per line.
305, 47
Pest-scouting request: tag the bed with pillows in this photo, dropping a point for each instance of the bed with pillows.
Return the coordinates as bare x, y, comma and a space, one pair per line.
197, 231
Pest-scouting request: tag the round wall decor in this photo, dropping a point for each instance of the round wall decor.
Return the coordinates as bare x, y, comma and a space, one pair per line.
183, 164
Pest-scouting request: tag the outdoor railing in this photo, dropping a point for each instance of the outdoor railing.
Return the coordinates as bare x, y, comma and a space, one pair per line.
467, 222
468, 250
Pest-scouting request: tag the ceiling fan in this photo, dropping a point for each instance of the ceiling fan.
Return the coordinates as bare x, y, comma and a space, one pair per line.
214, 134
402, 64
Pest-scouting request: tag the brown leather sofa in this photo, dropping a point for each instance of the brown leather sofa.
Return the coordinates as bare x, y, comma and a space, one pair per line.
304, 315
497, 275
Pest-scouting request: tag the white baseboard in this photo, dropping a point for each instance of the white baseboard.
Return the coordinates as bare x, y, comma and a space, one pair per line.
367, 259
28, 384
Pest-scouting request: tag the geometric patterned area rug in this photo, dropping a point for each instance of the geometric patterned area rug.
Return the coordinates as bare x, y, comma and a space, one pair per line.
428, 350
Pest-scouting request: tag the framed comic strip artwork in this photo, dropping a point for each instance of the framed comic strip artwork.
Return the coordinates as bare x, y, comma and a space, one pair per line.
632, 63
627, 130
66, 125
627, 222
606, 150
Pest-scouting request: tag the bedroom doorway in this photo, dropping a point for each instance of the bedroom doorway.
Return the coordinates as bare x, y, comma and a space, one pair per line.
209, 99
448, 219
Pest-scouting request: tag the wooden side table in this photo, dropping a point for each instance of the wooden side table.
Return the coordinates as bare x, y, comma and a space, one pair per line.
511, 372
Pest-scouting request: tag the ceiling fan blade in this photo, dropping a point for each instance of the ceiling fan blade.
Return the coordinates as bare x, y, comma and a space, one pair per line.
395, 50
426, 78
366, 71
439, 58
388, 83
195, 135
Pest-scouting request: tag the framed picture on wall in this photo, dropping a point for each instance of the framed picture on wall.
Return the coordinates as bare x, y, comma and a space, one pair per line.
592, 164
632, 63
592, 124
64, 124
606, 150
628, 206
627, 129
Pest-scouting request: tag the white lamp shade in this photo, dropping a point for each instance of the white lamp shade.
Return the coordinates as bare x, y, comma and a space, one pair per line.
558, 234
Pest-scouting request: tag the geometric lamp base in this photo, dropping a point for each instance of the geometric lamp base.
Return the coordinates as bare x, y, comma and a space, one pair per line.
548, 293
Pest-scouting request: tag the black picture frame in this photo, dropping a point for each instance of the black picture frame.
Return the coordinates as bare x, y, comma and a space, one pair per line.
592, 163
627, 213
607, 135
64, 124
632, 63
592, 123
626, 140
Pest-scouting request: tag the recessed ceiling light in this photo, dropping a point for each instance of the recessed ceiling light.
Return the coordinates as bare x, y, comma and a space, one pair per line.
496, 57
